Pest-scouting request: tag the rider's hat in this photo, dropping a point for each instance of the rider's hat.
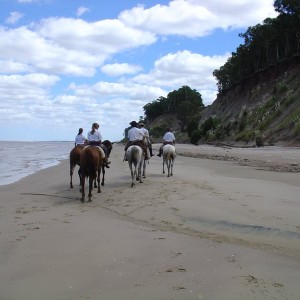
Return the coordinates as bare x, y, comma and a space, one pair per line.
133, 123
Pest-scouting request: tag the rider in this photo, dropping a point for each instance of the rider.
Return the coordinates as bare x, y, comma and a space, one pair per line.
95, 138
168, 138
146, 134
80, 139
135, 137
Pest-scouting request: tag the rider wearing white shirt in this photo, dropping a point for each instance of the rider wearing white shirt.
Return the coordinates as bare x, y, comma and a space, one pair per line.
146, 134
80, 139
135, 137
95, 139
168, 138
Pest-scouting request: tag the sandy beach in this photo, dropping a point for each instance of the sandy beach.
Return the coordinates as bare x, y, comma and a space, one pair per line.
225, 226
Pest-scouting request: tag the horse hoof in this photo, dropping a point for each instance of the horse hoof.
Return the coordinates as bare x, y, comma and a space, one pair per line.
82, 200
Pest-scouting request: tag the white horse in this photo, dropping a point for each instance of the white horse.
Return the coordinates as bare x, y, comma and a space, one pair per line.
136, 160
169, 155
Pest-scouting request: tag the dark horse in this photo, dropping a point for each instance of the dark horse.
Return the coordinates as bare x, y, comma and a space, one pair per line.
91, 163
75, 160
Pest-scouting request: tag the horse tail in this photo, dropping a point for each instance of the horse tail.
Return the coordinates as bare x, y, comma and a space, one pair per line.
86, 163
135, 155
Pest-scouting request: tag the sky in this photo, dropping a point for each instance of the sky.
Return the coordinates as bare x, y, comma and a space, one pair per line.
67, 64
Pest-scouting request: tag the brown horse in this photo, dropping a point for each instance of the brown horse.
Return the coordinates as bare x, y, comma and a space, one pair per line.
91, 164
75, 160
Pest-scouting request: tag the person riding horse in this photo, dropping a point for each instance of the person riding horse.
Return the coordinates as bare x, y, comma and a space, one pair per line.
135, 137
95, 138
168, 138
80, 139
146, 134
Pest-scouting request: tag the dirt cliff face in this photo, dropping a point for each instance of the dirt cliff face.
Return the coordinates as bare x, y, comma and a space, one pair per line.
264, 106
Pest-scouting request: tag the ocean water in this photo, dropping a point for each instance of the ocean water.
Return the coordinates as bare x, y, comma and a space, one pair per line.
20, 159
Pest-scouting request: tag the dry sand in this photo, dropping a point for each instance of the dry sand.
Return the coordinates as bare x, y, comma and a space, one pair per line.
221, 228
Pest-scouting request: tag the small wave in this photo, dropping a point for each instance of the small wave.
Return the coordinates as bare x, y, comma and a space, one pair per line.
246, 228
19, 161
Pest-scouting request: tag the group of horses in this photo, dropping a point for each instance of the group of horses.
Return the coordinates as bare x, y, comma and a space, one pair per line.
90, 159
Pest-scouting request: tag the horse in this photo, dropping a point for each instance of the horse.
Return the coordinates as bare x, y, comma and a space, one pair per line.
108, 146
169, 155
136, 159
75, 160
91, 164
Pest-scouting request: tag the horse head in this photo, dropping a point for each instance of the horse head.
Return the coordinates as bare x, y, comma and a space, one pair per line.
108, 145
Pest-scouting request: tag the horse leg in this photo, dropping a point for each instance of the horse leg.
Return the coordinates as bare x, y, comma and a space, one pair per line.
137, 172
163, 166
98, 180
79, 174
172, 161
91, 180
71, 175
168, 167
132, 175
139, 177
103, 175
144, 169
82, 189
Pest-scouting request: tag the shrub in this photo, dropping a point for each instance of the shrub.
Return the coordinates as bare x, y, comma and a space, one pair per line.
259, 141
196, 136
192, 125
158, 131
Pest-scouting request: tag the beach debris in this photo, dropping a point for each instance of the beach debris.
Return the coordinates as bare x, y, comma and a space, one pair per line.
178, 287
176, 269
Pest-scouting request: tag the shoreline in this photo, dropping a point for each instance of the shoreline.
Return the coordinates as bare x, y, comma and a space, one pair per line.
215, 230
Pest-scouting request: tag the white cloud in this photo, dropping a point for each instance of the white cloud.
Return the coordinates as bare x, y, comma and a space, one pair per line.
69, 46
105, 37
82, 10
196, 18
120, 69
112, 90
31, 87
185, 68
8, 66
26, 47
14, 17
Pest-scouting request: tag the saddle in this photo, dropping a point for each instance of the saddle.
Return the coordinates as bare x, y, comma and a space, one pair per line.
168, 143
100, 149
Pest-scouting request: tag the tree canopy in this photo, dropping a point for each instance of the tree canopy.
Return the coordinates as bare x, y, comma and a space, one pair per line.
183, 101
276, 40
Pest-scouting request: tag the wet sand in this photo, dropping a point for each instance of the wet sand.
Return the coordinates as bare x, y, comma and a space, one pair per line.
225, 226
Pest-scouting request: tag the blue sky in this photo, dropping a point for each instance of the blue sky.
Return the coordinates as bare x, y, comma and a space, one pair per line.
67, 64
